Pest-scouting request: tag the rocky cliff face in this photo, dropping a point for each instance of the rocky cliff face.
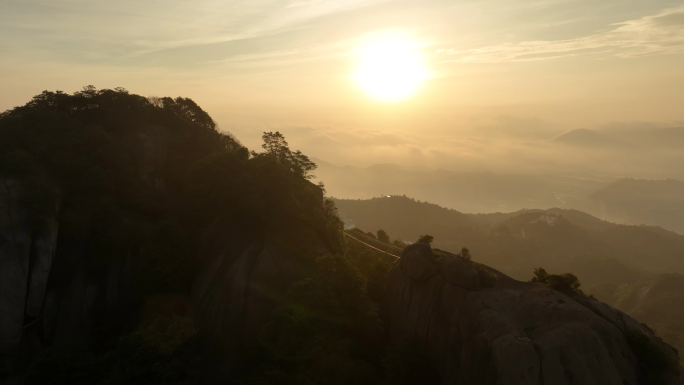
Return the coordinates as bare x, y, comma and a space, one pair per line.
516, 332
148, 147
37, 308
104, 197
40, 308
242, 280
14, 257
26, 256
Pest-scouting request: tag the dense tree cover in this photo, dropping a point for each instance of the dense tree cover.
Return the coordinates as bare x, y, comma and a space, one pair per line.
603, 255
79, 158
327, 331
82, 150
162, 351
373, 264
133, 181
617, 264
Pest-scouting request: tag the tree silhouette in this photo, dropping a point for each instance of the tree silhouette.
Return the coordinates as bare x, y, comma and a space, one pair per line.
382, 236
465, 254
276, 147
426, 239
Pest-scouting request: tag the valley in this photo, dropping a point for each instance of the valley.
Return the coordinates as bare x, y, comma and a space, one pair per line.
139, 244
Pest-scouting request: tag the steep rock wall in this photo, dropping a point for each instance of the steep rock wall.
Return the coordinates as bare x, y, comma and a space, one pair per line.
243, 279
39, 309
513, 333
15, 248
26, 255
148, 146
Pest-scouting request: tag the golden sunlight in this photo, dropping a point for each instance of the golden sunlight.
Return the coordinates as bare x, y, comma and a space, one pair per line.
389, 69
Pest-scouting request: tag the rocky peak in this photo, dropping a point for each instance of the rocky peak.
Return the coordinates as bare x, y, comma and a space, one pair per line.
516, 332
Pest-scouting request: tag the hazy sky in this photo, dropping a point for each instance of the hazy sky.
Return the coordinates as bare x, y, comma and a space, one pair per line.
501, 73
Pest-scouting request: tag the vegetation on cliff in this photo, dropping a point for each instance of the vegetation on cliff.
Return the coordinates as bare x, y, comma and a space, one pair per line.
515, 243
78, 157
132, 181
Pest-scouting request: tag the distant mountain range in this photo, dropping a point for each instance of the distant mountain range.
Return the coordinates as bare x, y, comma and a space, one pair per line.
477, 192
665, 138
637, 201
518, 242
635, 268
584, 137
628, 201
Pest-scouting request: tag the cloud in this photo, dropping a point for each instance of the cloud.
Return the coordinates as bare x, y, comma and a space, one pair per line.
507, 126
662, 33
509, 148
129, 28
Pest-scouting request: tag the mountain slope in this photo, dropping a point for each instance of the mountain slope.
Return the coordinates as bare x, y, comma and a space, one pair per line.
516, 243
107, 201
585, 138
637, 201
476, 192
625, 138
139, 245
511, 332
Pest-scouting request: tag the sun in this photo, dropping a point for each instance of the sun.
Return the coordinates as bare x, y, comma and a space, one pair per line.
389, 69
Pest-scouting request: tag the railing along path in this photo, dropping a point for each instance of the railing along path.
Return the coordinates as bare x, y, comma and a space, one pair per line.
362, 238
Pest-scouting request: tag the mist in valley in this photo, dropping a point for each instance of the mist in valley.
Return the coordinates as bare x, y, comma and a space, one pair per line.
371, 192
628, 174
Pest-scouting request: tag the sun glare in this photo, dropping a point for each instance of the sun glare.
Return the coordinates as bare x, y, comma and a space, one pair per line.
390, 69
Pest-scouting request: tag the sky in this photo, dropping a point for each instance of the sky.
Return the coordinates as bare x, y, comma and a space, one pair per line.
501, 78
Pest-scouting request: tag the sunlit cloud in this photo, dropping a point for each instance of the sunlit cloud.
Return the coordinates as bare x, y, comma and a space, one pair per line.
662, 33
503, 144
263, 65
132, 28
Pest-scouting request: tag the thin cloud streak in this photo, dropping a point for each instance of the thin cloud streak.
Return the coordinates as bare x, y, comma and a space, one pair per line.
147, 27
651, 35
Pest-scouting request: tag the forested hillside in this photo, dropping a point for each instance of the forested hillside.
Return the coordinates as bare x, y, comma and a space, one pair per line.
515, 242
637, 201
614, 262
140, 244
107, 202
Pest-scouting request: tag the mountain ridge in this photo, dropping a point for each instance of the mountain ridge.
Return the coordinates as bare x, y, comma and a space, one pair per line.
141, 245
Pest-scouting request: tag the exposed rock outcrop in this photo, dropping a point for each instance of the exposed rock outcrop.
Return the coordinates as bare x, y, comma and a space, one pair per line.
26, 253
35, 313
515, 332
149, 145
139, 181
15, 247
242, 280
37, 308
